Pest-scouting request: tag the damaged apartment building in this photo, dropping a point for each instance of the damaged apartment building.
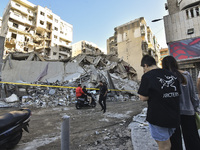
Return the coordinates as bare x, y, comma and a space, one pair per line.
131, 41
32, 28
85, 47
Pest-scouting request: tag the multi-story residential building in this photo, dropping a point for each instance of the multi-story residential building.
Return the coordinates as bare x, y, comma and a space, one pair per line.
182, 29
131, 41
163, 53
28, 27
85, 47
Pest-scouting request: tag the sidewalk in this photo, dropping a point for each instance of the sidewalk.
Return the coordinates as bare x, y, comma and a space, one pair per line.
141, 138
140, 135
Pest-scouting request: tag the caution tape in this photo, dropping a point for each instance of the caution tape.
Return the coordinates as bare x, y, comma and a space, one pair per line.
54, 86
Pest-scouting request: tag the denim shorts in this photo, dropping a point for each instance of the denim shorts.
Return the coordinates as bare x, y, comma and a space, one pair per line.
161, 133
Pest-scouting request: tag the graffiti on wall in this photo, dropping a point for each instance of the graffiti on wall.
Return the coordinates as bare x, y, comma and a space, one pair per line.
184, 49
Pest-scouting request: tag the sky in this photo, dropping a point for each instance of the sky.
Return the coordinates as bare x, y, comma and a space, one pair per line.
95, 20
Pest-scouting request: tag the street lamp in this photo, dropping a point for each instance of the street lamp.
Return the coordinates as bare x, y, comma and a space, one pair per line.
155, 20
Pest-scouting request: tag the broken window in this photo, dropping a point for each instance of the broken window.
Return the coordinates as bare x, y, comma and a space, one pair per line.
15, 25
30, 19
17, 4
56, 20
26, 49
48, 35
41, 22
13, 35
42, 13
56, 28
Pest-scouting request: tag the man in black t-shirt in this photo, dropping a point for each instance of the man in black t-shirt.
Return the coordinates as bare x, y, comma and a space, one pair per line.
160, 88
102, 96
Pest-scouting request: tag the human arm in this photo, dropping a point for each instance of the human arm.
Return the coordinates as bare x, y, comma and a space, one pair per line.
143, 98
143, 91
106, 90
82, 92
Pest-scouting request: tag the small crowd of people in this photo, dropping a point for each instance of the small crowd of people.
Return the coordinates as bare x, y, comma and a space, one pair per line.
103, 90
172, 104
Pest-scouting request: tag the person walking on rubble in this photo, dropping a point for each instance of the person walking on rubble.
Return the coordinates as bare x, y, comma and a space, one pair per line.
160, 88
79, 92
103, 94
189, 103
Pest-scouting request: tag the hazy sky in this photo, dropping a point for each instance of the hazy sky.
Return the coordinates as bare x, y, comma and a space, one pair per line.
95, 20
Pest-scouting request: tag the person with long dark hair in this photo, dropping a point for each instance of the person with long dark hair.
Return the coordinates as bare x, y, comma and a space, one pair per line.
189, 103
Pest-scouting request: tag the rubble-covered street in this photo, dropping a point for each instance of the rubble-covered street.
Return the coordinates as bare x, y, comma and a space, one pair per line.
90, 129
63, 77
48, 89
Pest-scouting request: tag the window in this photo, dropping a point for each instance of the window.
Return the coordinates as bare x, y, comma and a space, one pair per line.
190, 31
54, 53
55, 37
13, 35
15, 25
41, 22
56, 20
42, 13
18, 4
26, 49
61, 32
192, 13
197, 11
187, 14
56, 28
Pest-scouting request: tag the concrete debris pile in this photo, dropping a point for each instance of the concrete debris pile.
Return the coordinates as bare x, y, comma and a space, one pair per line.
85, 69
140, 133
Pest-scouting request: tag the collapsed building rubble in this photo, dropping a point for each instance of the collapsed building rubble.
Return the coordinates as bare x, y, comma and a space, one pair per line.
86, 69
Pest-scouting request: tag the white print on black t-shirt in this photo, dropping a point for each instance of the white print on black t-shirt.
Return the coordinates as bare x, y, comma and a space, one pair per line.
168, 82
168, 95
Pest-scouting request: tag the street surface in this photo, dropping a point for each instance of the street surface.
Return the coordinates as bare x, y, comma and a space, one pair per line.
90, 129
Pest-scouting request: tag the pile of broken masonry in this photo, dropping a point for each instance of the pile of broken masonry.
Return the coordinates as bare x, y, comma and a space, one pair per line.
86, 69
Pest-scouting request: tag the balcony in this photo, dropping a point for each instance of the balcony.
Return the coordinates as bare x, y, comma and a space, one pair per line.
17, 16
21, 8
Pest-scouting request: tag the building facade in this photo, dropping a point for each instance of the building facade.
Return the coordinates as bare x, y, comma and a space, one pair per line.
182, 29
133, 40
28, 27
85, 47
